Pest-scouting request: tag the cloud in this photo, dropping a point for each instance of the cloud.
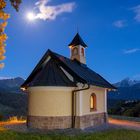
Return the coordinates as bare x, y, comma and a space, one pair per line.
136, 10
49, 12
130, 51
120, 23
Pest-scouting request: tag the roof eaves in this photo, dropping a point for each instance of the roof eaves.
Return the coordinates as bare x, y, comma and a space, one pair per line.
36, 67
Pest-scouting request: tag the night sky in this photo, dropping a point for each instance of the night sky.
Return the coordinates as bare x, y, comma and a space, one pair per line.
110, 28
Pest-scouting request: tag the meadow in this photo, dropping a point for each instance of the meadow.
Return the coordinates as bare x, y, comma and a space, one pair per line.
107, 135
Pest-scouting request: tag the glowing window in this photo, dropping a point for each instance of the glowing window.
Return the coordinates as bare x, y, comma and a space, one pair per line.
82, 51
75, 51
93, 102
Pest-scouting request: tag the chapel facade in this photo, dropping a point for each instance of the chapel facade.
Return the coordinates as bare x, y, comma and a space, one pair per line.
64, 93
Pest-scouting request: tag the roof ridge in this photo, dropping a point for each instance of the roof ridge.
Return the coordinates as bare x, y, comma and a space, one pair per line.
80, 73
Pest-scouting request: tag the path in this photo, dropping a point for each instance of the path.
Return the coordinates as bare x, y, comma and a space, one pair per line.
113, 124
125, 124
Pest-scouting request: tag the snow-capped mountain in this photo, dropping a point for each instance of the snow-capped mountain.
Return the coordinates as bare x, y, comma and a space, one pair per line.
127, 82
128, 89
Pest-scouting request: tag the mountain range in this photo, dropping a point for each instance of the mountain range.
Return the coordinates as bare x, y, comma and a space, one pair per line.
13, 102
127, 82
128, 89
11, 85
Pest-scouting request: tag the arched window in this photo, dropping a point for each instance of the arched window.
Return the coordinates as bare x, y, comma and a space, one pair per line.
75, 51
93, 102
82, 51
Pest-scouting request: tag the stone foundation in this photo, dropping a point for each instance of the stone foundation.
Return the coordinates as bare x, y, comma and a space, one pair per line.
63, 122
49, 122
90, 120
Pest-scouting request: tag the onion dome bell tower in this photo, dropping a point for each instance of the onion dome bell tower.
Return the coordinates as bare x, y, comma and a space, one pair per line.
77, 49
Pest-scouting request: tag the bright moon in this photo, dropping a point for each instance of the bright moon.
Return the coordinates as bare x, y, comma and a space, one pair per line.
31, 16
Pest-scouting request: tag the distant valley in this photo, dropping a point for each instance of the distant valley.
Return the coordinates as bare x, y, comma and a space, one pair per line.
12, 100
126, 100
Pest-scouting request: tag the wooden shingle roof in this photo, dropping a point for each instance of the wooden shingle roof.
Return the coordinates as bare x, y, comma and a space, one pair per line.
51, 74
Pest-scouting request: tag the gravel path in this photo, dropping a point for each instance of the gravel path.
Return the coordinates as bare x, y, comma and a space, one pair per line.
125, 124
113, 124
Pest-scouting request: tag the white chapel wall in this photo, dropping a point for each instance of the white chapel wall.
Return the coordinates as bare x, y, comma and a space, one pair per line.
83, 101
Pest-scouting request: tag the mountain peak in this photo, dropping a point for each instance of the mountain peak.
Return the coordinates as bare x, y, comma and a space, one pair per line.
11, 82
127, 82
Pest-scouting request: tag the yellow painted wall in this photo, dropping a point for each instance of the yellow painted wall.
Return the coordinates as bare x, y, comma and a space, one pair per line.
56, 101
49, 101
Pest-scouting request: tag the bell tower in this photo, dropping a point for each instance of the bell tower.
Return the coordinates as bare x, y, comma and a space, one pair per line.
77, 49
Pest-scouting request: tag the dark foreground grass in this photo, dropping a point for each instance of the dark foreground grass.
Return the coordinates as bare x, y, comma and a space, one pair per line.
108, 135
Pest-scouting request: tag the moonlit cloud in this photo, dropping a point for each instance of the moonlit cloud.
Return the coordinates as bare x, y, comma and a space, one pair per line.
120, 23
136, 10
130, 51
49, 12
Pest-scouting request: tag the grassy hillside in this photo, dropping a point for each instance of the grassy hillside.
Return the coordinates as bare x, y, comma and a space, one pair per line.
124, 108
12, 104
108, 135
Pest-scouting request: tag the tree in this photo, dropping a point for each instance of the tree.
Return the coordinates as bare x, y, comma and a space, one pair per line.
3, 23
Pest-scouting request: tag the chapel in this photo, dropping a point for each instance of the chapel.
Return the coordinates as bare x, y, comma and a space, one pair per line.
65, 93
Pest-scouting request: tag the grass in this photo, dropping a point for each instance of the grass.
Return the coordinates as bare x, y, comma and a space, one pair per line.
108, 135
